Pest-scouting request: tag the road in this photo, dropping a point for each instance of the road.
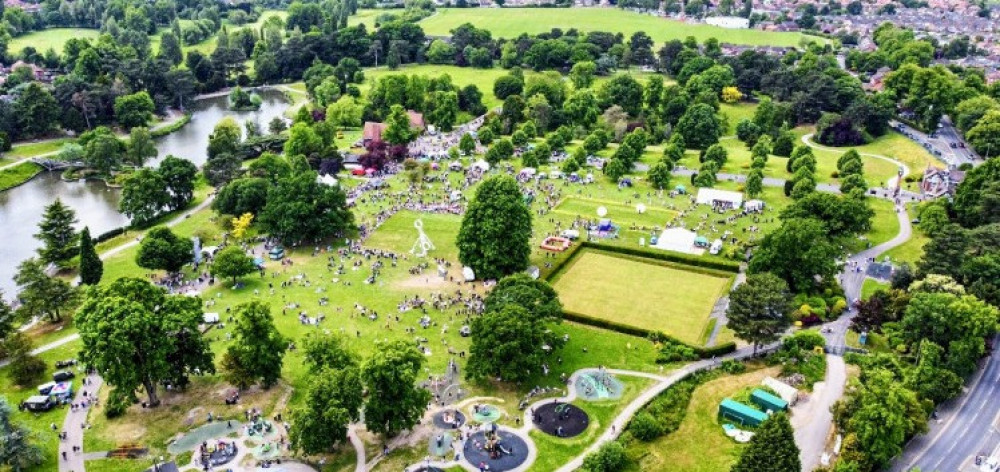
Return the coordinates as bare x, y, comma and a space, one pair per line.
941, 145
965, 427
812, 418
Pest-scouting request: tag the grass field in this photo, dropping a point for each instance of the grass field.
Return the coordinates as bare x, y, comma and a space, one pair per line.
460, 76
913, 249
50, 38
870, 286
365, 17
398, 234
512, 22
646, 295
17, 175
699, 445
624, 215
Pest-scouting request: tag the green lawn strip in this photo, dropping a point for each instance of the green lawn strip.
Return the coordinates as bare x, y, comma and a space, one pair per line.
912, 250
119, 465
554, 452
885, 226
52, 38
870, 286
365, 17
736, 112
699, 444
672, 300
40, 423
30, 149
512, 22
18, 174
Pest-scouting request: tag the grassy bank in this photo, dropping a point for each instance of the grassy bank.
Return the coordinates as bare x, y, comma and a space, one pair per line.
13, 176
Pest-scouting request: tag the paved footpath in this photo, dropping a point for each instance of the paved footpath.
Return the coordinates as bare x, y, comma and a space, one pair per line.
75, 427
812, 418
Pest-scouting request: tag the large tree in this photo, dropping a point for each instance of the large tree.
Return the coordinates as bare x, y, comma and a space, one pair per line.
394, 401
134, 110
495, 233
798, 251
299, 208
700, 126
759, 309
41, 295
16, 450
136, 335
144, 196
333, 400
842, 215
772, 448
161, 249
179, 176
960, 324
233, 262
508, 343
397, 129
258, 349
57, 234
91, 266
327, 350
140, 146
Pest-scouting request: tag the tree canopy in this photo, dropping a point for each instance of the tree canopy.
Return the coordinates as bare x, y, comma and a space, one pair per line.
136, 335
496, 229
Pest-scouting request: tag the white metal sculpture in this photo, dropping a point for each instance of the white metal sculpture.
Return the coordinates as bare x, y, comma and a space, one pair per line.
423, 243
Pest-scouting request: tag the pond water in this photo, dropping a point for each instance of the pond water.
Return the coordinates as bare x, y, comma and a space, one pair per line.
96, 206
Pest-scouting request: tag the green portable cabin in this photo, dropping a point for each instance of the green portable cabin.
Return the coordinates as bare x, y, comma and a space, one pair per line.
766, 401
743, 414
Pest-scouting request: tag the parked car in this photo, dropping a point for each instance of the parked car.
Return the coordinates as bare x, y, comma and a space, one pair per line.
62, 376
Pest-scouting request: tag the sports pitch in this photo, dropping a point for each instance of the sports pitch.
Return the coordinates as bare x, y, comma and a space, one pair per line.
642, 294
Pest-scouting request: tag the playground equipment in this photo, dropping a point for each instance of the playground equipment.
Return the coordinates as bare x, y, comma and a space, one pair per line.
555, 243
598, 385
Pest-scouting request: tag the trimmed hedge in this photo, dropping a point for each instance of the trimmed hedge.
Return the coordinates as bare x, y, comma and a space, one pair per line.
165, 130
695, 264
109, 234
703, 352
697, 261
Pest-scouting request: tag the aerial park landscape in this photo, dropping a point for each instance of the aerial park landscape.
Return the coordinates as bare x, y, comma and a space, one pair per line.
332, 236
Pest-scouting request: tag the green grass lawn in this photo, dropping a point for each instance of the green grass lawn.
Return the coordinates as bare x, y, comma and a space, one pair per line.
641, 294
874, 342
736, 112
17, 175
365, 17
699, 444
512, 22
870, 286
627, 216
398, 234
885, 225
913, 249
50, 38
31, 149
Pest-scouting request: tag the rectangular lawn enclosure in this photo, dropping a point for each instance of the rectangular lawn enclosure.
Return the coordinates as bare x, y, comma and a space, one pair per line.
645, 294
